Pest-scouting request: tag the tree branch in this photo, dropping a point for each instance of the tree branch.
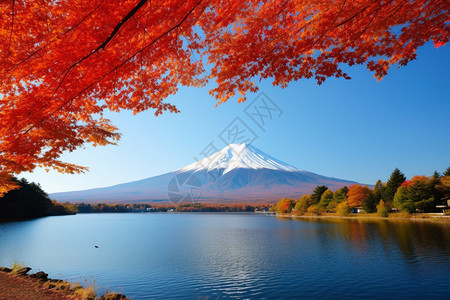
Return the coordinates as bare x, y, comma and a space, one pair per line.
352, 17
109, 72
123, 21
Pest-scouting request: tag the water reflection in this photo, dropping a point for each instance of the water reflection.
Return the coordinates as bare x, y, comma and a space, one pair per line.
417, 240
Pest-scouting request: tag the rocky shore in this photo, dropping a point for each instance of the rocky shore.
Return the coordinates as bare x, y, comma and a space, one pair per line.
16, 284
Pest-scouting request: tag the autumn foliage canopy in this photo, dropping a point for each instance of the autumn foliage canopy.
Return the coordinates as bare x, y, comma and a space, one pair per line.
63, 63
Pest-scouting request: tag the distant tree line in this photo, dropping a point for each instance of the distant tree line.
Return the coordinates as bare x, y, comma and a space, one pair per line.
30, 201
419, 194
238, 207
27, 202
145, 207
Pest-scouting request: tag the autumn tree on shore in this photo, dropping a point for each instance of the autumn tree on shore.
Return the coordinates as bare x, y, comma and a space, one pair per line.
417, 194
284, 206
63, 63
302, 204
357, 195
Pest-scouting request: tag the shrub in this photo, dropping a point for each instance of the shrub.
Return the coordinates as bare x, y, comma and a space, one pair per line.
343, 209
382, 209
314, 209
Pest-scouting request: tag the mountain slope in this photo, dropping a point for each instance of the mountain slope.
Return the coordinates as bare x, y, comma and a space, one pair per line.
237, 173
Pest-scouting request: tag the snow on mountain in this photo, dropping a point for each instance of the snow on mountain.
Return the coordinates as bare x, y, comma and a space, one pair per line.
239, 156
237, 173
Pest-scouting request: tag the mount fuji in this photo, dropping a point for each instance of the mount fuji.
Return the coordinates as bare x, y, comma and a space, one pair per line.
237, 173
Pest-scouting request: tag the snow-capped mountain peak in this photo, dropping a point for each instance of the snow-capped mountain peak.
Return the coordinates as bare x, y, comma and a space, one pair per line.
238, 173
239, 156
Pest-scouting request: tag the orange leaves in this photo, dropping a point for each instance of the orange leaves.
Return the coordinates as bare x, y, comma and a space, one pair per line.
416, 179
330, 33
357, 195
63, 63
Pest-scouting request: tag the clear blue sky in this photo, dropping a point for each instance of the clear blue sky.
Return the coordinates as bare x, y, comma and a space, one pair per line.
357, 129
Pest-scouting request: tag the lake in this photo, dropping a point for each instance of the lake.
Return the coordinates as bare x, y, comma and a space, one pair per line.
236, 256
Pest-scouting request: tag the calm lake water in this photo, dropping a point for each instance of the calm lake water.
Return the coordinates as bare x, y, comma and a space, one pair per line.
187, 256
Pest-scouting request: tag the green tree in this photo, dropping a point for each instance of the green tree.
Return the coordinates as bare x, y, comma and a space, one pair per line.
447, 172
403, 201
394, 182
26, 202
317, 194
417, 194
437, 193
421, 192
436, 175
326, 198
370, 203
378, 190
340, 194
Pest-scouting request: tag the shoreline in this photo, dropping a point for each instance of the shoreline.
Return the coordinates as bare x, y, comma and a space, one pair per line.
420, 218
16, 283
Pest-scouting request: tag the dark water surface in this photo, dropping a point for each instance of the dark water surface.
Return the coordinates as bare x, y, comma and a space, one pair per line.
187, 256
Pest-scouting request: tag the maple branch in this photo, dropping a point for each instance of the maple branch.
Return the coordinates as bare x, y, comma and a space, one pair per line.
331, 25
395, 10
120, 24
352, 17
103, 45
129, 58
107, 73
70, 68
